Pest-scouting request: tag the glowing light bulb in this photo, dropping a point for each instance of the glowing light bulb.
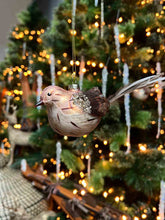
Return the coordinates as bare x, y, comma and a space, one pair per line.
39, 40
85, 136
32, 32
84, 183
87, 156
83, 192
59, 61
124, 217
65, 138
93, 64
17, 126
73, 32
64, 68
148, 34
65, 54
71, 62
161, 131
145, 70
77, 63
142, 147
121, 36
82, 174
69, 21
45, 160
82, 157
100, 151
45, 172
42, 31
154, 209
91, 189
131, 40
111, 154
51, 160
116, 60
105, 142
117, 199
121, 198
96, 24
105, 194
88, 62
101, 65
142, 2
120, 20
84, 70
143, 216
30, 37
111, 190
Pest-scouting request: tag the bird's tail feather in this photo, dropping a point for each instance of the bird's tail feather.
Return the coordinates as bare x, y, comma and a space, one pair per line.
139, 84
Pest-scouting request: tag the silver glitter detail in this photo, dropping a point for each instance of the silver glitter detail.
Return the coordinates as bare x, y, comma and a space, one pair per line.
82, 101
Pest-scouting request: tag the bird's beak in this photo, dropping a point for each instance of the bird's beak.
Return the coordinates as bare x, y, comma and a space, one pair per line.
40, 103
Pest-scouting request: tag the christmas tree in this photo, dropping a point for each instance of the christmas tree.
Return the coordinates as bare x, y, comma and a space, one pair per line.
106, 44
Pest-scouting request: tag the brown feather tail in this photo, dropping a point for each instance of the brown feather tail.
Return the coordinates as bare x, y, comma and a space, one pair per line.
139, 84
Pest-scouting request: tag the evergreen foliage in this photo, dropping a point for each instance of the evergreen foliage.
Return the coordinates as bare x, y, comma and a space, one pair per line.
135, 176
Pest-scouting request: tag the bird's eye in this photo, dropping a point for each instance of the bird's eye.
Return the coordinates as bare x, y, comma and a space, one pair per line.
49, 94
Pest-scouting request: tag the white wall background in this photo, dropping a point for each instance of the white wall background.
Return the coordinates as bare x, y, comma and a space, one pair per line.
8, 18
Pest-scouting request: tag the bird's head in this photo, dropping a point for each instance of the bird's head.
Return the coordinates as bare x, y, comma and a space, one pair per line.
49, 96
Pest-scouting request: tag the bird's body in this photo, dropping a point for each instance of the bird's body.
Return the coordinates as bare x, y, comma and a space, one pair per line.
76, 113
65, 117
73, 123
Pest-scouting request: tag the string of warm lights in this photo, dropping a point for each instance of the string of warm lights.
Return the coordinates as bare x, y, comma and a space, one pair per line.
27, 34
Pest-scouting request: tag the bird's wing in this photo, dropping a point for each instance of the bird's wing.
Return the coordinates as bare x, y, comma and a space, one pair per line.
99, 104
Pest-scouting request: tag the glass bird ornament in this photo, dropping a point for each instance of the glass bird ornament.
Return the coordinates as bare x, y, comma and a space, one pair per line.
76, 113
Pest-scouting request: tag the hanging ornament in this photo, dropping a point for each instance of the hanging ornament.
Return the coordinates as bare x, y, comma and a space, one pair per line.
58, 159
29, 61
96, 3
89, 166
159, 98
141, 94
81, 72
74, 13
52, 69
162, 200
76, 113
8, 98
104, 81
102, 19
117, 43
74, 3
23, 49
39, 89
127, 107
2, 148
